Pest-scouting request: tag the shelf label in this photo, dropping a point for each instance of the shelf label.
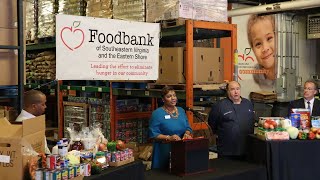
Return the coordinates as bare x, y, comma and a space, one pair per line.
39, 86
4, 159
83, 88
128, 92
201, 99
99, 89
68, 87
146, 93
29, 85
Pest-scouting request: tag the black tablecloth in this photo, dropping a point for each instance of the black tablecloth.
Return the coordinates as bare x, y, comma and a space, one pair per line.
220, 169
131, 171
286, 160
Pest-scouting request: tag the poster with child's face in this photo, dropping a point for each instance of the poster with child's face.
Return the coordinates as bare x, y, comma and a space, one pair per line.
257, 69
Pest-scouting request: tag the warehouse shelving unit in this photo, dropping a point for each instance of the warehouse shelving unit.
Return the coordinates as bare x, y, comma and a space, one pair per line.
17, 96
194, 30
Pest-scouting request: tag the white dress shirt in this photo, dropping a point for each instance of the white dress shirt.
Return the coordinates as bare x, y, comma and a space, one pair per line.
24, 115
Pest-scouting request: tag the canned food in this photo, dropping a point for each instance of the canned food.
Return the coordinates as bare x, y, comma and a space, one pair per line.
64, 174
46, 174
70, 172
76, 170
39, 174
81, 167
87, 170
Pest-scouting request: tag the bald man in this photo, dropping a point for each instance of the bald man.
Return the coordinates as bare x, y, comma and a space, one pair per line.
232, 119
34, 105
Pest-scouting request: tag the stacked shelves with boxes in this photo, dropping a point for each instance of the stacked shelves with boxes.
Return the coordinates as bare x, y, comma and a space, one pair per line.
99, 115
195, 30
131, 117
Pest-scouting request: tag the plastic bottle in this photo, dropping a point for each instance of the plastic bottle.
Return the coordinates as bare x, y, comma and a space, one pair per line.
60, 149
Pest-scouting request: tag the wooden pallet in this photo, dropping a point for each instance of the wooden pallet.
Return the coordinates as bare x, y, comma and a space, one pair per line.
47, 39
172, 22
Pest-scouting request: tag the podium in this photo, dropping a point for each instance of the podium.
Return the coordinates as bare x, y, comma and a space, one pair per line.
189, 156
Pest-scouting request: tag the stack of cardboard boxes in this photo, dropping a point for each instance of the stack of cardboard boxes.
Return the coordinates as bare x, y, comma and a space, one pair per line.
8, 37
207, 65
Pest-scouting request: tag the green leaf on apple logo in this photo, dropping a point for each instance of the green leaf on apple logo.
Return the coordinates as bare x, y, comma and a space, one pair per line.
76, 24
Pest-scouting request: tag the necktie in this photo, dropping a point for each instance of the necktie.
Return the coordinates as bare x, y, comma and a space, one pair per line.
309, 106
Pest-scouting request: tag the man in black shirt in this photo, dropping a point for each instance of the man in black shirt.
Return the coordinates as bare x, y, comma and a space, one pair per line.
232, 119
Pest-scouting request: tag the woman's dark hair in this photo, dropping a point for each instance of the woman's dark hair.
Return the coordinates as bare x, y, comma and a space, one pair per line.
166, 90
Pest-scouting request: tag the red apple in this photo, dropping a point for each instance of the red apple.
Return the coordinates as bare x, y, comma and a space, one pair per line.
120, 145
266, 125
102, 147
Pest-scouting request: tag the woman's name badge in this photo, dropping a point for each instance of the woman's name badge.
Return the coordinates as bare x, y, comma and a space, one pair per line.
167, 117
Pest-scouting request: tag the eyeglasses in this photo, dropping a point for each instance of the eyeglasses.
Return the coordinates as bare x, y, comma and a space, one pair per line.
309, 89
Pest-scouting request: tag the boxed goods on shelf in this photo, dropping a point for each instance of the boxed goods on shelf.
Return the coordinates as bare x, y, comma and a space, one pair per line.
46, 18
99, 8
207, 65
30, 21
99, 112
75, 113
72, 7
15, 139
134, 130
206, 10
132, 10
41, 66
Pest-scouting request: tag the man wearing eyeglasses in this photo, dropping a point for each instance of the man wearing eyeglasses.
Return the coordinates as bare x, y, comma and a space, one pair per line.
308, 101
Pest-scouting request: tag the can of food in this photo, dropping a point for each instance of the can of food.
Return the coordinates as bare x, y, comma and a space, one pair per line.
122, 155
130, 153
39, 174
70, 172
46, 174
51, 162
64, 174
76, 170
108, 157
87, 170
55, 175
113, 157
81, 168
118, 156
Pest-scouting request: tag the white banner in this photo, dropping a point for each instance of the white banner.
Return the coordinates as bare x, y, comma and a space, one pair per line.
106, 49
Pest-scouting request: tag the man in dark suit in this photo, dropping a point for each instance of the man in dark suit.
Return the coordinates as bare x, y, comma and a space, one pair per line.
308, 101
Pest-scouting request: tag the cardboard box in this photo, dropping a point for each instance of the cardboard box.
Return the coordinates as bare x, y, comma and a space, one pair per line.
13, 137
9, 67
207, 65
8, 14
206, 10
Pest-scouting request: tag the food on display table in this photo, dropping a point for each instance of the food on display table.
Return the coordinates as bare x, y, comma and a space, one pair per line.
293, 132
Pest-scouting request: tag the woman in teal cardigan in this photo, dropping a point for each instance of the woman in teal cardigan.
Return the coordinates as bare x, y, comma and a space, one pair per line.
167, 123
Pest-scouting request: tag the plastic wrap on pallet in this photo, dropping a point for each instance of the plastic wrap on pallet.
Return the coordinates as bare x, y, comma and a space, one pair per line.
46, 18
99, 8
206, 10
131, 10
41, 66
72, 7
30, 21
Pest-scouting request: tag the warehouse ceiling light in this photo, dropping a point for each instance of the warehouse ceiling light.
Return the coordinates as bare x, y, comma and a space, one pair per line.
275, 7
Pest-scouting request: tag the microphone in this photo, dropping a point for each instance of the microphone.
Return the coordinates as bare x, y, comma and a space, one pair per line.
195, 112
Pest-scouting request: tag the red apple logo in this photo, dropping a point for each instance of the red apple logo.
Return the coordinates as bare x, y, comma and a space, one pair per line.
72, 37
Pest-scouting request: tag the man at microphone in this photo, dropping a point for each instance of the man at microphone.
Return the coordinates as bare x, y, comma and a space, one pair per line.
232, 119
